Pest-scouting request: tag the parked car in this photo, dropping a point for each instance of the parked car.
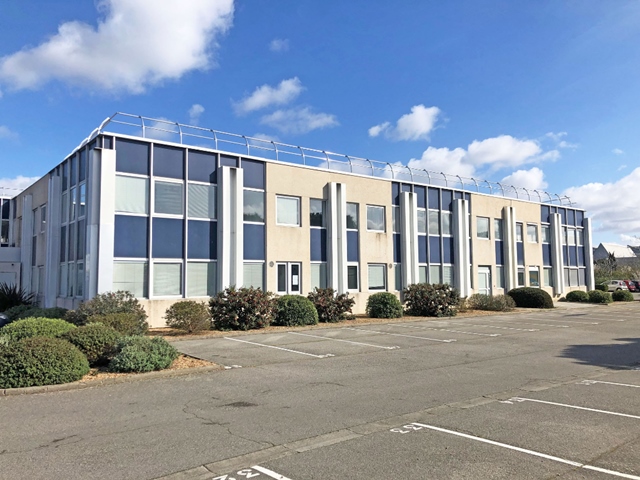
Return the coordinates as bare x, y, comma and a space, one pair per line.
614, 285
637, 284
3, 319
631, 285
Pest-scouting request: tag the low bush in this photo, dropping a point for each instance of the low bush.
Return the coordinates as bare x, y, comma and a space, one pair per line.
124, 323
142, 354
294, 310
497, 303
14, 312
106, 304
602, 287
41, 361
189, 316
331, 308
577, 296
529, 297
97, 342
12, 296
431, 300
35, 327
598, 296
622, 296
384, 305
242, 309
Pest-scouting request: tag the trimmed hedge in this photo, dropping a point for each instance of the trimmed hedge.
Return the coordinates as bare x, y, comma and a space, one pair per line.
242, 309
14, 312
35, 327
142, 354
529, 297
602, 287
622, 296
431, 300
97, 342
331, 308
293, 310
106, 304
41, 361
384, 305
497, 303
577, 296
124, 323
598, 296
189, 316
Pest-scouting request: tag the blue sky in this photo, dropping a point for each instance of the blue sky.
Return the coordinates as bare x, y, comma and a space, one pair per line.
541, 94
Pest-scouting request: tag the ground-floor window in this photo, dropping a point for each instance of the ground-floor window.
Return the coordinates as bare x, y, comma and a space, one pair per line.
318, 275
534, 277
377, 276
167, 279
201, 279
397, 273
434, 274
132, 277
500, 276
353, 277
521, 277
253, 275
547, 277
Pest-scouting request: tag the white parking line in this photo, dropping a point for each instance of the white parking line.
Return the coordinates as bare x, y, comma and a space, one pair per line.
521, 399
591, 382
444, 330
530, 452
270, 473
565, 321
535, 324
400, 335
280, 348
346, 341
501, 328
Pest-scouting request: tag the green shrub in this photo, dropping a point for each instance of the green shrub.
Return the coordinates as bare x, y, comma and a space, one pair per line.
292, 310
41, 361
142, 354
124, 323
529, 297
577, 296
431, 300
242, 309
598, 296
497, 303
95, 340
188, 315
14, 312
35, 327
12, 296
331, 308
622, 296
602, 287
107, 304
384, 305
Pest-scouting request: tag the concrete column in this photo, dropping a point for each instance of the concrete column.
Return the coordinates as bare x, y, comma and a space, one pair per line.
52, 261
337, 236
510, 248
101, 186
556, 253
409, 226
230, 227
461, 253
588, 253
26, 241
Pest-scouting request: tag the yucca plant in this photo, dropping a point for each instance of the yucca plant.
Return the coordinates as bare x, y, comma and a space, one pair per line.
12, 296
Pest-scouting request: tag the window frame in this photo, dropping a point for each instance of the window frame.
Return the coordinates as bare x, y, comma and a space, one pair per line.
488, 228
383, 266
298, 201
535, 231
384, 220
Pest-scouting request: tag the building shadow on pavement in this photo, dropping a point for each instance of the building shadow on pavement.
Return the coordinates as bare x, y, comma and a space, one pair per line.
617, 356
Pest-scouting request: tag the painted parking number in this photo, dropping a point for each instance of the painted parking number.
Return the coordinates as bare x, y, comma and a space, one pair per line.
412, 427
247, 473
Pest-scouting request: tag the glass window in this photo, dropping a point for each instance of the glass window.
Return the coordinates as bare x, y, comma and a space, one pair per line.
434, 223
65, 175
446, 223
377, 276
202, 201
202, 242
534, 277
132, 277
580, 236
352, 216
131, 236
80, 280
395, 219
316, 213
375, 218
547, 278
71, 279
253, 206
201, 279
532, 233
497, 228
4, 232
500, 276
167, 279
546, 234
519, 232
168, 198
288, 211
422, 274
253, 174
202, 166
82, 200
397, 270
482, 227
82, 165
573, 277
73, 200
43, 218
253, 275
571, 236
352, 277
422, 221
64, 213
35, 227
521, 277
132, 195
168, 238
132, 157
62, 284
447, 275
434, 274
318, 275
282, 278
168, 161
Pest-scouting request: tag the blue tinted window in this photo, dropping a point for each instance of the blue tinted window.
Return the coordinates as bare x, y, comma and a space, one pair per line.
168, 238
544, 214
573, 257
253, 174
253, 242
63, 246
202, 240
132, 157
352, 246
82, 165
73, 162
546, 254
319, 245
5, 209
447, 250
227, 161
131, 237
571, 217
82, 235
447, 199
565, 255
107, 142
395, 193
579, 218
458, 195
422, 249
65, 175
202, 166
434, 249
421, 193
520, 250
168, 162
434, 198
499, 252
467, 197
563, 215
581, 257
406, 187
397, 248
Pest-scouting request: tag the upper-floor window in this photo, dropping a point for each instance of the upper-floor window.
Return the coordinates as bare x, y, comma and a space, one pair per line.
253, 208
352, 216
546, 234
375, 218
532, 233
519, 232
482, 227
497, 228
317, 213
288, 211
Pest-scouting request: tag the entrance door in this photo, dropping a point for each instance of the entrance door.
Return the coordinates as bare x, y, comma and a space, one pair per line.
289, 278
484, 280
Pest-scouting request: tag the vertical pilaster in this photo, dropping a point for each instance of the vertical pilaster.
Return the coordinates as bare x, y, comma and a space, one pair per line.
101, 210
409, 225
52, 261
230, 227
337, 236
588, 253
27, 241
556, 253
461, 252
510, 248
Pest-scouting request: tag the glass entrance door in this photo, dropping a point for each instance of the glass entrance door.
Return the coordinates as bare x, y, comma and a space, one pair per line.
289, 281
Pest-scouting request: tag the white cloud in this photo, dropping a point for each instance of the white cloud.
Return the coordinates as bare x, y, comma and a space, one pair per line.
532, 179
630, 239
194, 113
279, 45
617, 151
613, 205
444, 160
416, 125
298, 120
266, 96
265, 137
136, 44
557, 138
5, 132
12, 186
621, 167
